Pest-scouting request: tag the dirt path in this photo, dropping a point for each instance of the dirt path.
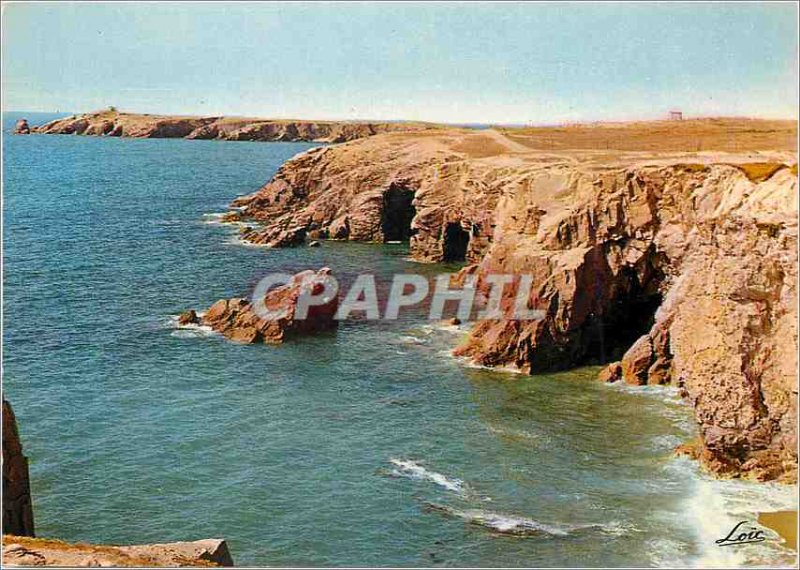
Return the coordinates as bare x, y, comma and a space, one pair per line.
501, 139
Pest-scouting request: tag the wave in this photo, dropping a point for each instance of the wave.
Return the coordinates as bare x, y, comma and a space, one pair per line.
237, 240
515, 525
413, 470
467, 362
716, 506
539, 439
444, 326
667, 394
216, 219
411, 339
676, 409
191, 330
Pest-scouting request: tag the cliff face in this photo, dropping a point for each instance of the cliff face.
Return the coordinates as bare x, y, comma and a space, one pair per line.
683, 265
115, 124
17, 504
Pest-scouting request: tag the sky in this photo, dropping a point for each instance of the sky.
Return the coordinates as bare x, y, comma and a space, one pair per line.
537, 63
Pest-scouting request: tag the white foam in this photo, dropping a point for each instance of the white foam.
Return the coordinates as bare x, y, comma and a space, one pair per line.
467, 362
667, 393
190, 330
716, 506
216, 219
444, 326
540, 440
413, 470
521, 526
410, 339
237, 240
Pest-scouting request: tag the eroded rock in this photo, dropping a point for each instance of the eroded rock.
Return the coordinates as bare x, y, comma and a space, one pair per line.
681, 267
238, 320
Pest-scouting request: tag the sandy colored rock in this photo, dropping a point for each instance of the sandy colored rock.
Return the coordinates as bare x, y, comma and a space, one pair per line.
611, 373
188, 318
17, 503
237, 318
681, 265
637, 361
23, 551
114, 123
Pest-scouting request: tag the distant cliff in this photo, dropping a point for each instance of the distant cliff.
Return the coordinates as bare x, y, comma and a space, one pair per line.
682, 265
116, 124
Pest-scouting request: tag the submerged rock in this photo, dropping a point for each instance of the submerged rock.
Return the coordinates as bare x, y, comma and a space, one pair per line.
238, 319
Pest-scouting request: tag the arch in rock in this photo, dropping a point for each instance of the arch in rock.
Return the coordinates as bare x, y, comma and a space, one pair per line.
397, 212
455, 241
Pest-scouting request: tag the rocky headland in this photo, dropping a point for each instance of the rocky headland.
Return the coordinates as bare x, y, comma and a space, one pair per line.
674, 264
20, 548
113, 123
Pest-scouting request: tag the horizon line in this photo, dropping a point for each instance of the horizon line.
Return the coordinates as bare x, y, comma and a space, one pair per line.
640, 119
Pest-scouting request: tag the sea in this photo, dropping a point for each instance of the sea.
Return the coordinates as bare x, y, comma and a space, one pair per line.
368, 446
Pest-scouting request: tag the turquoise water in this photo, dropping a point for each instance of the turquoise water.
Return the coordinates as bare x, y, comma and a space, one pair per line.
368, 446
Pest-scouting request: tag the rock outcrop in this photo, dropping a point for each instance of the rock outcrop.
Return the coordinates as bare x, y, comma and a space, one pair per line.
21, 127
116, 124
17, 503
238, 319
22, 551
682, 266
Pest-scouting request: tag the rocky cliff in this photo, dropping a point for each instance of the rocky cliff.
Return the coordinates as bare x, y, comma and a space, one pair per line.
17, 504
116, 124
681, 264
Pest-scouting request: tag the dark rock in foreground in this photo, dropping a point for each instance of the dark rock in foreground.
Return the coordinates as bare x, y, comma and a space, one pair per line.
22, 551
17, 504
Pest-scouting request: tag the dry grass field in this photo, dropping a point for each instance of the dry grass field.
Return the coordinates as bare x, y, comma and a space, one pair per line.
693, 135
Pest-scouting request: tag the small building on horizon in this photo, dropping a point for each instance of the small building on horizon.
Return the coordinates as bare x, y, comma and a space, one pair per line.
676, 115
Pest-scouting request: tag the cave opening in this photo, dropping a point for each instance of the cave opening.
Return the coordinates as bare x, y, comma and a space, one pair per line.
629, 315
397, 213
456, 240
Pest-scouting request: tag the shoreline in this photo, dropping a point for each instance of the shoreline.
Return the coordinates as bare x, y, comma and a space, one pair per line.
487, 367
784, 523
